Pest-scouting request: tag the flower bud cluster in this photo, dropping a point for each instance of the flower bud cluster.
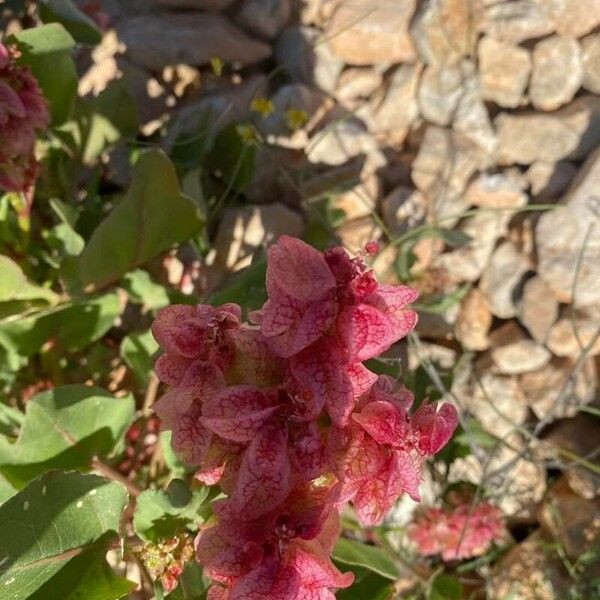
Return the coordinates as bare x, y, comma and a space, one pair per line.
284, 416
463, 532
23, 111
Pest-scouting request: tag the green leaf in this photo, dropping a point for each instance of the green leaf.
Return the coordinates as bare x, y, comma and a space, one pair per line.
137, 350
142, 289
445, 587
71, 326
232, 159
440, 303
64, 428
105, 119
66, 238
54, 521
7, 490
162, 514
78, 24
153, 216
454, 238
175, 466
87, 577
47, 39
11, 419
372, 558
14, 285
46, 50
192, 585
246, 288
367, 584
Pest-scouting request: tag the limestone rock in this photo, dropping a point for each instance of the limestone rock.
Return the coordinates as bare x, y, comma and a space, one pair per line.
355, 234
362, 198
501, 278
572, 17
219, 108
550, 180
393, 109
496, 190
559, 389
572, 132
516, 21
538, 309
403, 208
468, 262
366, 32
570, 519
307, 58
557, 72
156, 41
444, 31
342, 141
265, 18
504, 71
579, 436
529, 572
590, 51
497, 403
439, 93
355, 84
516, 484
471, 118
292, 96
474, 321
244, 230
570, 338
568, 243
513, 353
445, 163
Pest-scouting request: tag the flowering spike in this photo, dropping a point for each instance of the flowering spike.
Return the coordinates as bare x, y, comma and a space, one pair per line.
283, 415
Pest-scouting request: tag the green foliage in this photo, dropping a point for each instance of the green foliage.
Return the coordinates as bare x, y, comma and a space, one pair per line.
445, 587
137, 350
47, 51
78, 24
64, 428
14, 285
367, 584
232, 158
163, 514
103, 120
246, 289
58, 522
70, 326
152, 217
141, 289
373, 558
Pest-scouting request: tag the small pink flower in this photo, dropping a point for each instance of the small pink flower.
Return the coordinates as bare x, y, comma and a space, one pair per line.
463, 532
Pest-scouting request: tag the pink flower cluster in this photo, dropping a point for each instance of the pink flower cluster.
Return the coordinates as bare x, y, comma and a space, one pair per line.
463, 532
23, 110
283, 415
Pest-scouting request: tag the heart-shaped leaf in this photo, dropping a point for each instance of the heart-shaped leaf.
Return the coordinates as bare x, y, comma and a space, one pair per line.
153, 216
64, 428
57, 521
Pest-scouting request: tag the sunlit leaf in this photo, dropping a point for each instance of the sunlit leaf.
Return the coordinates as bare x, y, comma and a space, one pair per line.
57, 521
153, 216
64, 428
